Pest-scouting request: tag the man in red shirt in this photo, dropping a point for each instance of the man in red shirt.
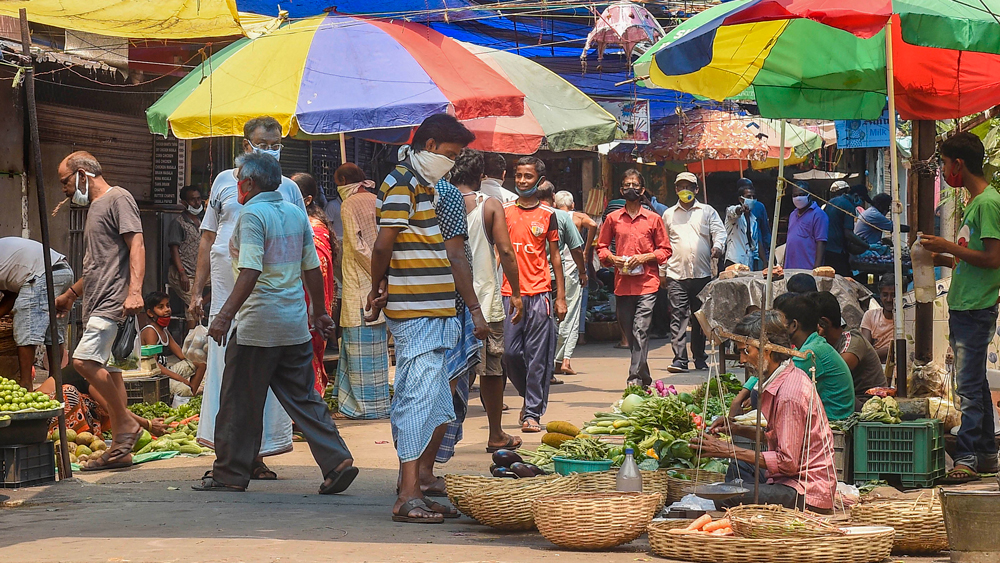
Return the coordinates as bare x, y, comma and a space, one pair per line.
530, 345
641, 243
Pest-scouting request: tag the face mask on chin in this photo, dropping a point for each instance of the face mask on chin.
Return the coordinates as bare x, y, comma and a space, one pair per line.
163, 321
195, 210
530, 191
82, 198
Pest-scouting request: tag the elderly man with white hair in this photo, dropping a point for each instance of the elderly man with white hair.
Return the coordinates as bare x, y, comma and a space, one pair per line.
569, 328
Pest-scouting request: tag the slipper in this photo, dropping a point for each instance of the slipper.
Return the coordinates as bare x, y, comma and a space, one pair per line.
447, 512
530, 425
340, 481
209, 484
557, 369
340, 416
960, 474
620, 347
505, 407
513, 442
402, 514
435, 490
555, 381
261, 472
105, 463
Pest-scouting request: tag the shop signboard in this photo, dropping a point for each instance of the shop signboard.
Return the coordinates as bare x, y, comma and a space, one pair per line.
633, 119
863, 134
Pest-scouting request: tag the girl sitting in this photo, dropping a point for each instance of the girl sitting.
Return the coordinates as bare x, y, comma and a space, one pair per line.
185, 376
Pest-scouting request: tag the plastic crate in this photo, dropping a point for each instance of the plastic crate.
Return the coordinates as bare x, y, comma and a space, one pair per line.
27, 465
842, 455
148, 390
911, 452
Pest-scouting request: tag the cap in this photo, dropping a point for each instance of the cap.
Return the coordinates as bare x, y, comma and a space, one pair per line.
629, 451
839, 186
686, 176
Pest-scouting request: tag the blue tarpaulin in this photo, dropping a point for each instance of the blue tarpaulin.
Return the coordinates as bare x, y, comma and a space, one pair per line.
412, 9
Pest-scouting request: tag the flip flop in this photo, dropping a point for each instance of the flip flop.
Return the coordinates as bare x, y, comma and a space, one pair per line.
447, 512
402, 514
530, 425
435, 490
341, 480
960, 474
209, 484
555, 381
620, 347
340, 416
261, 472
513, 442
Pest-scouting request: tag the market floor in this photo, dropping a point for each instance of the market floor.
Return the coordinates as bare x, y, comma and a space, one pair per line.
149, 513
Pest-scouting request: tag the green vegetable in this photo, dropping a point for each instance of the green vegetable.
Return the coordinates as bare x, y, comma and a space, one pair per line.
621, 423
686, 398
606, 423
584, 449
597, 430
631, 403
649, 464
879, 409
636, 390
680, 449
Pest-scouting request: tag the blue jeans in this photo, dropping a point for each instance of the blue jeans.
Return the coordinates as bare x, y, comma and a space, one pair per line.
971, 333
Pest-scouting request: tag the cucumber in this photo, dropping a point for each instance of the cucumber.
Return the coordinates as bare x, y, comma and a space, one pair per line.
606, 423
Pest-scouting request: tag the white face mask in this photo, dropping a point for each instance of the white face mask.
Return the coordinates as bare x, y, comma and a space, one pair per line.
430, 165
749, 201
82, 198
801, 201
195, 210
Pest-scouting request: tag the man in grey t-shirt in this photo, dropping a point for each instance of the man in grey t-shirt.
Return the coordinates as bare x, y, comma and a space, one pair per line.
861, 357
114, 263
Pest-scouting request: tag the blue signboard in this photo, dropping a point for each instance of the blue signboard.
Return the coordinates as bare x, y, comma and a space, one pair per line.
863, 134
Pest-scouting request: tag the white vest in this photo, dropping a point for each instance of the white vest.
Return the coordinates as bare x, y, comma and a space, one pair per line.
485, 274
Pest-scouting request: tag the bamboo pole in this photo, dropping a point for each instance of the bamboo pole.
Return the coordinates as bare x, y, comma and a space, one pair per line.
897, 210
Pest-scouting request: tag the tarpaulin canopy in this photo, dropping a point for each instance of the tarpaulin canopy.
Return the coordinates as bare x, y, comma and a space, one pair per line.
699, 135
334, 74
163, 19
413, 10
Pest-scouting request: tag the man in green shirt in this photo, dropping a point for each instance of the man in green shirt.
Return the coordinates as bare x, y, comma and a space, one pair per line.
833, 378
972, 302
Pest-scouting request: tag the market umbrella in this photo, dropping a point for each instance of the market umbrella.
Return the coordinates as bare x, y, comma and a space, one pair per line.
700, 135
811, 59
334, 74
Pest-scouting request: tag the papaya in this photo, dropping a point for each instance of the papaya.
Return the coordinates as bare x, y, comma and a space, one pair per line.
562, 427
70, 435
84, 438
555, 439
83, 450
98, 445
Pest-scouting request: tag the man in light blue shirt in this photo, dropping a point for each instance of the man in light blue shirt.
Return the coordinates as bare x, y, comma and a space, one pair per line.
874, 224
271, 347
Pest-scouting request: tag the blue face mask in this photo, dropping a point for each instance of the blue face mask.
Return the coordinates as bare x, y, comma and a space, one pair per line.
275, 153
528, 192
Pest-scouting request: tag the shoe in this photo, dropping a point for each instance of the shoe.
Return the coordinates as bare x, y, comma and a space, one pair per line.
677, 367
700, 364
634, 383
555, 381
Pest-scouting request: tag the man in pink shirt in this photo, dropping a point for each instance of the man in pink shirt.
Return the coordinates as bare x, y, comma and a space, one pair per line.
641, 244
797, 469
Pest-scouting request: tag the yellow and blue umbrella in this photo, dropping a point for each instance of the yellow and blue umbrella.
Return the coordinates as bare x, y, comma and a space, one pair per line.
334, 74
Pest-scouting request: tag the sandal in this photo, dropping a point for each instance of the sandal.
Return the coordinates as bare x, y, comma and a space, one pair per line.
530, 425
339, 481
960, 474
261, 472
443, 510
513, 442
438, 489
340, 416
208, 483
402, 514
118, 456
106, 462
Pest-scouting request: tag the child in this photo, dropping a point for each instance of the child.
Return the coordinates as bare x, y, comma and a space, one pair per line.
155, 332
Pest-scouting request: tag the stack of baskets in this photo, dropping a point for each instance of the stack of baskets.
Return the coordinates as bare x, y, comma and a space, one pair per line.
505, 504
919, 524
591, 521
769, 534
677, 488
607, 482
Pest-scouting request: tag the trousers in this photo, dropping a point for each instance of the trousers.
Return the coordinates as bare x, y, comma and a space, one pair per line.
635, 312
529, 352
288, 372
684, 303
569, 328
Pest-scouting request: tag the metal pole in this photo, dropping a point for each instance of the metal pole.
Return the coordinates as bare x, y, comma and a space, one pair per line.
779, 193
921, 196
55, 362
897, 212
343, 148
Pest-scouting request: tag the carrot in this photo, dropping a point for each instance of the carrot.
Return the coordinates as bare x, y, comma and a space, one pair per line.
717, 525
700, 522
722, 532
188, 419
683, 531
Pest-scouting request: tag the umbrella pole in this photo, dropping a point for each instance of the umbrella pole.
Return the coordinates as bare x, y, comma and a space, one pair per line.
768, 300
897, 211
55, 362
704, 179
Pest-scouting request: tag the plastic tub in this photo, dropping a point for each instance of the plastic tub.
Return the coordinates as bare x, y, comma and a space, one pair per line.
566, 466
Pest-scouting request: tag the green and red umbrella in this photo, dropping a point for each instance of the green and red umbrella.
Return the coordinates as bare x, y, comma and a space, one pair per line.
827, 58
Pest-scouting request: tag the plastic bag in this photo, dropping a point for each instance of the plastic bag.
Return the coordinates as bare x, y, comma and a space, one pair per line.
847, 496
946, 411
126, 351
195, 347
927, 380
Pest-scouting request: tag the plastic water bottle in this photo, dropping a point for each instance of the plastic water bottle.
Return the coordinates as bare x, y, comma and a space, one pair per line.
924, 287
629, 479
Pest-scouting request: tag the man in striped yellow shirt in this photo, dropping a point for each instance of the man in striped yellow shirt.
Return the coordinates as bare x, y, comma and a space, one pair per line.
412, 282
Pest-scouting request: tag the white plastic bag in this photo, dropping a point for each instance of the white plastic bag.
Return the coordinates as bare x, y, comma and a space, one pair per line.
195, 347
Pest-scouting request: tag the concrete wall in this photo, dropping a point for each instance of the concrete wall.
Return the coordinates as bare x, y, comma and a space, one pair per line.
11, 158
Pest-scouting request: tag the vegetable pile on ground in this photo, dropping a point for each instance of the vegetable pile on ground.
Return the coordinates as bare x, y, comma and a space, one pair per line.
163, 410
80, 446
182, 438
562, 439
14, 398
706, 526
881, 409
510, 465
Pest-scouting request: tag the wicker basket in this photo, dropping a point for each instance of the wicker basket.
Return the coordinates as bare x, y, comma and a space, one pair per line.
607, 482
592, 521
777, 522
919, 524
677, 488
507, 505
875, 545
458, 487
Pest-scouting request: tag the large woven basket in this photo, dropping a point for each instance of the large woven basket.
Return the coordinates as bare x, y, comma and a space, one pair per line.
704, 548
677, 488
507, 505
919, 524
593, 521
777, 522
460, 486
607, 482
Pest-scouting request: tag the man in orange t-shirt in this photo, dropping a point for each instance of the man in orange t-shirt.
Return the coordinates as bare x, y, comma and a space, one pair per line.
530, 345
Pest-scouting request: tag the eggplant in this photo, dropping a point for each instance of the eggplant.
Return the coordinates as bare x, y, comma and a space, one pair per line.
504, 472
504, 458
535, 469
493, 466
522, 469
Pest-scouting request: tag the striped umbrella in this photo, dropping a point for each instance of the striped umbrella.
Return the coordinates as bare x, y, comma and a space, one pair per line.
334, 74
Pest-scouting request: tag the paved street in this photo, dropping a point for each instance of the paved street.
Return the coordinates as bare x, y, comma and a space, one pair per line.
149, 513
